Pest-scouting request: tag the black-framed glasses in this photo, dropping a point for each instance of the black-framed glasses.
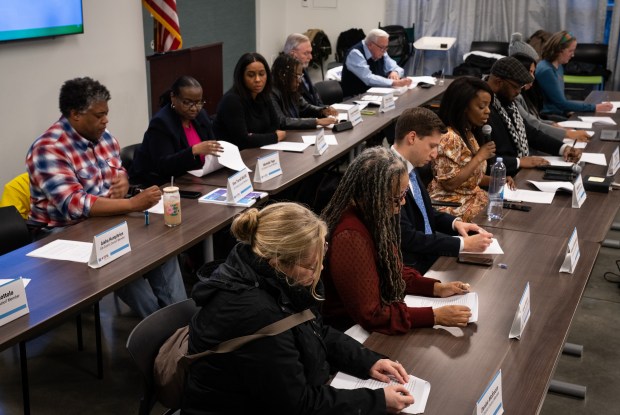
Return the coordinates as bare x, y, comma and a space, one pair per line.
186, 103
399, 199
382, 48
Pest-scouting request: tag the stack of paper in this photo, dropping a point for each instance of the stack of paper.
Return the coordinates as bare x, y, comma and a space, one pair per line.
529, 196
287, 146
600, 120
553, 186
396, 90
470, 300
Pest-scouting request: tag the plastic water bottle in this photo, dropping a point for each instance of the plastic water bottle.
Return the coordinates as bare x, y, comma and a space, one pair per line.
496, 190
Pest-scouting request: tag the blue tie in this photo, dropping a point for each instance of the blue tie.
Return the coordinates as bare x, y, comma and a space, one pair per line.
417, 196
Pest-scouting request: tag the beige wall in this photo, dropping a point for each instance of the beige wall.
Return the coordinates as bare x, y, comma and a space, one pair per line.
31, 72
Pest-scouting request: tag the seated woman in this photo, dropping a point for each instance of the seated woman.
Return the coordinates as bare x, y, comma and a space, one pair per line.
294, 112
271, 274
245, 115
460, 166
557, 51
365, 280
178, 137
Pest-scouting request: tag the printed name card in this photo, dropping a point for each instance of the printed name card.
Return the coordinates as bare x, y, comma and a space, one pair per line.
522, 316
320, 144
579, 193
490, 403
267, 167
238, 186
13, 302
387, 103
355, 115
572, 254
109, 245
614, 163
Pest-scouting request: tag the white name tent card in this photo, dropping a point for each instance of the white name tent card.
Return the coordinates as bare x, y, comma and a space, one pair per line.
614, 163
13, 301
320, 144
230, 158
572, 254
579, 193
418, 388
267, 167
330, 139
354, 113
238, 186
110, 245
522, 316
490, 403
387, 103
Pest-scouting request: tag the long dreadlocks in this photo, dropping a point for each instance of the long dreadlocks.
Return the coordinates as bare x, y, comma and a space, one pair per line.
368, 184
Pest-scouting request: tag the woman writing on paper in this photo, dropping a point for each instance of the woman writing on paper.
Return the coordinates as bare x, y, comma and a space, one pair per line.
365, 280
178, 137
294, 112
245, 115
273, 272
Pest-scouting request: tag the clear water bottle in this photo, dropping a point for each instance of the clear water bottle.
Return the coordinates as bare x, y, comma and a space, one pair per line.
496, 190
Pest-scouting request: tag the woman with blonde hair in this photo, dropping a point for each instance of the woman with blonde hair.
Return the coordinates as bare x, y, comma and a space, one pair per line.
272, 273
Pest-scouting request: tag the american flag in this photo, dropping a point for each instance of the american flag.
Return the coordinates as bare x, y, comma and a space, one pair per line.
167, 33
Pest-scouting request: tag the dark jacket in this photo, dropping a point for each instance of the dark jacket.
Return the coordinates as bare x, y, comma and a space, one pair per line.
284, 374
299, 117
164, 151
309, 92
506, 147
420, 250
351, 84
245, 122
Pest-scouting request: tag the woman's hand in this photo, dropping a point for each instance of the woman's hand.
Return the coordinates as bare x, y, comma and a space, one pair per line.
383, 369
397, 398
326, 121
486, 151
447, 289
281, 134
207, 148
452, 315
604, 107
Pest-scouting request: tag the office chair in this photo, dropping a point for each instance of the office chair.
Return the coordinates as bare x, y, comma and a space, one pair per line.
147, 337
13, 230
329, 91
586, 70
127, 154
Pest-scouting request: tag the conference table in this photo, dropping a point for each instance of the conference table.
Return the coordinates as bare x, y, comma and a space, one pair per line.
459, 363
61, 289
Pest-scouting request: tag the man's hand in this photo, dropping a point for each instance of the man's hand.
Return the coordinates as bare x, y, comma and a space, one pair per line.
529, 162
393, 76
572, 154
478, 242
119, 187
145, 199
579, 135
401, 82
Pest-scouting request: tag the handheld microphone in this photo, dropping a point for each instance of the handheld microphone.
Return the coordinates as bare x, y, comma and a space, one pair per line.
574, 168
486, 132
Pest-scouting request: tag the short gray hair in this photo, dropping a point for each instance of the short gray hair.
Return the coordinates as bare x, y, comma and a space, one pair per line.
375, 34
293, 41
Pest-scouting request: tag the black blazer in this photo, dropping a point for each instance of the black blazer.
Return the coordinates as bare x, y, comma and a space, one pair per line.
421, 250
164, 151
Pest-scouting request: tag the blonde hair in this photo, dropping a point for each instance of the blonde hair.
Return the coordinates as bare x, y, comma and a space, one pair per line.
283, 233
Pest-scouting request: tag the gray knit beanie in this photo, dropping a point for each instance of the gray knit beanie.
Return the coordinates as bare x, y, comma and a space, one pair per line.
517, 45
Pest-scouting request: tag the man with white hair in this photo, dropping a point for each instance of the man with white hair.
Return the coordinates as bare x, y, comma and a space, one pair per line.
367, 64
299, 47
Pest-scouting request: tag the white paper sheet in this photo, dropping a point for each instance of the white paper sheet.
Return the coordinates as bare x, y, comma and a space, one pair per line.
358, 333
158, 208
342, 107
548, 186
415, 80
529, 196
330, 139
599, 120
230, 158
287, 146
576, 124
26, 281
64, 250
578, 144
393, 90
418, 388
594, 158
470, 300
557, 161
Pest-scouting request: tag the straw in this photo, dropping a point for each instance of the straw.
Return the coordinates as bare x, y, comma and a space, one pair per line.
171, 181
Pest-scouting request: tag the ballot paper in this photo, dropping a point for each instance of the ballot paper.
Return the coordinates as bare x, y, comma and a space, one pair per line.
418, 388
470, 300
599, 120
594, 158
528, 196
330, 139
290, 146
578, 144
64, 250
230, 158
558, 161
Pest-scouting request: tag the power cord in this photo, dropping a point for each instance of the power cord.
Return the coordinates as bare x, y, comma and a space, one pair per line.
612, 276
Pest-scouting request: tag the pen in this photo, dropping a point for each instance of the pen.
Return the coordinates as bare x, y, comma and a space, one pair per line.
146, 217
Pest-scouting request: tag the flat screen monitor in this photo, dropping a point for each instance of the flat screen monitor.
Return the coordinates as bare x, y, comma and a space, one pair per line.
30, 19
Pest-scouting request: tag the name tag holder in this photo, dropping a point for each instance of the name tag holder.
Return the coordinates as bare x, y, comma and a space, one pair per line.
387, 103
579, 193
354, 114
320, 144
238, 186
13, 302
109, 245
267, 167
491, 400
614, 163
522, 315
572, 254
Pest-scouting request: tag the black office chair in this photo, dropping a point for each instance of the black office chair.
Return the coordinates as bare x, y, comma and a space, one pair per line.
127, 154
586, 70
147, 337
329, 91
490, 46
13, 230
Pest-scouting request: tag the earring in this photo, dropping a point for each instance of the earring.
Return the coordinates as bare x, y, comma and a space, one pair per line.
172, 105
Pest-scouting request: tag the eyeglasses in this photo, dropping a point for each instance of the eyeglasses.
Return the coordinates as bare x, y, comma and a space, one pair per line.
398, 199
516, 86
382, 48
186, 103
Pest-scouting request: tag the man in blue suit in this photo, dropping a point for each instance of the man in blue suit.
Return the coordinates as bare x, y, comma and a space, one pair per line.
427, 233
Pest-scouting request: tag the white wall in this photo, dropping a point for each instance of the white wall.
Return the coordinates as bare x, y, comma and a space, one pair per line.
276, 19
31, 72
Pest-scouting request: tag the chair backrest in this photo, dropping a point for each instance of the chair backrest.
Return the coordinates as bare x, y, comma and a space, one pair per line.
347, 39
147, 337
490, 46
127, 154
595, 53
330, 91
13, 230
399, 44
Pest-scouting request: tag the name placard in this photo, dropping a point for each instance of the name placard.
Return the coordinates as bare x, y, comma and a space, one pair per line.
321, 144
355, 115
491, 400
579, 193
387, 103
109, 245
614, 163
572, 254
238, 186
13, 302
267, 167
522, 315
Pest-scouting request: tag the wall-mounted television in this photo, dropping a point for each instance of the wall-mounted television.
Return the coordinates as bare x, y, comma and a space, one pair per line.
31, 19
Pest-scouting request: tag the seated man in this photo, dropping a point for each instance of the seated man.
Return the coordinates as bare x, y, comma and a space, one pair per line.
367, 64
299, 47
513, 136
75, 172
425, 232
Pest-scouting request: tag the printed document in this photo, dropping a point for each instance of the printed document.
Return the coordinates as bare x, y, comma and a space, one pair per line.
230, 158
64, 250
470, 300
530, 196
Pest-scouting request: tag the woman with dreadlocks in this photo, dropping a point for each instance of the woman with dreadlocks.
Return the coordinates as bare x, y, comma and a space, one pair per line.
365, 280
294, 112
